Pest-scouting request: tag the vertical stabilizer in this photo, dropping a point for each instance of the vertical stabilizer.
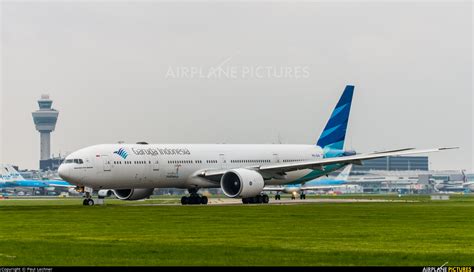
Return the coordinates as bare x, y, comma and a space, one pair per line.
334, 133
344, 175
9, 173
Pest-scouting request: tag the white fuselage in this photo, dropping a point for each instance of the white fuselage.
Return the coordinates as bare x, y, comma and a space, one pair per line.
126, 166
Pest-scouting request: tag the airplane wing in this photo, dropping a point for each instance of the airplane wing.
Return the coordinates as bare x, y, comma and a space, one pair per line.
322, 187
58, 183
273, 189
319, 164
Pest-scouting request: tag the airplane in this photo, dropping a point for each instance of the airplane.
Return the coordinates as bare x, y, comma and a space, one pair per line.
10, 178
133, 171
456, 186
317, 184
468, 185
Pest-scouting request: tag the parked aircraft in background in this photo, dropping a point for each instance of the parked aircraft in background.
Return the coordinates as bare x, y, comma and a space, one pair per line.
314, 185
455, 186
10, 178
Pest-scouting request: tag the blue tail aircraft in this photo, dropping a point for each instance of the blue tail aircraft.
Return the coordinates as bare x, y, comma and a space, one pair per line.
10, 178
317, 184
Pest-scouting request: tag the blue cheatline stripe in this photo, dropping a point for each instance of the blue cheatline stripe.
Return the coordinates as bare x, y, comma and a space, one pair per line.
334, 145
318, 173
334, 150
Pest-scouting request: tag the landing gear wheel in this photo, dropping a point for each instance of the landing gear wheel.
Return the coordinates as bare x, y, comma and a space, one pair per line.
303, 196
265, 199
90, 202
259, 199
277, 197
84, 202
245, 200
194, 198
293, 197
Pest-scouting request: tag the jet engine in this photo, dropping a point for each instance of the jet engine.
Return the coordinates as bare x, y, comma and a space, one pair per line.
133, 194
104, 193
242, 183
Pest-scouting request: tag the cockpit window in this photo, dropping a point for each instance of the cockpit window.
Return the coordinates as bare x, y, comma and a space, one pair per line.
78, 161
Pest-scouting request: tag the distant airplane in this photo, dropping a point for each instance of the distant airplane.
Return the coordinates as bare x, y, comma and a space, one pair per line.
456, 186
468, 185
317, 184
10, 178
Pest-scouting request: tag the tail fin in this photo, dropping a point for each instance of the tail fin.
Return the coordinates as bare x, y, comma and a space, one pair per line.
334, 133
9, 173
344, 175
3, 174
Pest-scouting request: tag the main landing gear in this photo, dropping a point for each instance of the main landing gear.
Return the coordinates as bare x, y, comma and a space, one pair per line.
277, 197
302, 196
256, 199
194, 198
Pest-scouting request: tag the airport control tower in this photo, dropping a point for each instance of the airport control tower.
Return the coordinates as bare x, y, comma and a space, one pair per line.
45, 121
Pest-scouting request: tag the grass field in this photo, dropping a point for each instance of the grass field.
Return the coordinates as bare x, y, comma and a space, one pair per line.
63, 232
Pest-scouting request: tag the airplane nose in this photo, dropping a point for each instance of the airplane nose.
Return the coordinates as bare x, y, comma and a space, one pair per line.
64, 172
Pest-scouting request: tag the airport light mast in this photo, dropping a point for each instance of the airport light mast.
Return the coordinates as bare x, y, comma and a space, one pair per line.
45, 121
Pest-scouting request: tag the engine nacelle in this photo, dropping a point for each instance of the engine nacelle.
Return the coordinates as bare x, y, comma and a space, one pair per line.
133, 194
104, 193
242, 183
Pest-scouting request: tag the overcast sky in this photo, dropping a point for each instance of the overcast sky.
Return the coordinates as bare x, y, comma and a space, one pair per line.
238, 73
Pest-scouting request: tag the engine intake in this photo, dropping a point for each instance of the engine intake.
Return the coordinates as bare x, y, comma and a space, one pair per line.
133, 194
242, 183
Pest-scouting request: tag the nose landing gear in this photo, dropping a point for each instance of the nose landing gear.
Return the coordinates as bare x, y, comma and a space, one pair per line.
88, 201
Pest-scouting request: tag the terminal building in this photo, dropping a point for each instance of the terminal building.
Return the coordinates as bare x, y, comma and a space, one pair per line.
51, 163
395, 163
